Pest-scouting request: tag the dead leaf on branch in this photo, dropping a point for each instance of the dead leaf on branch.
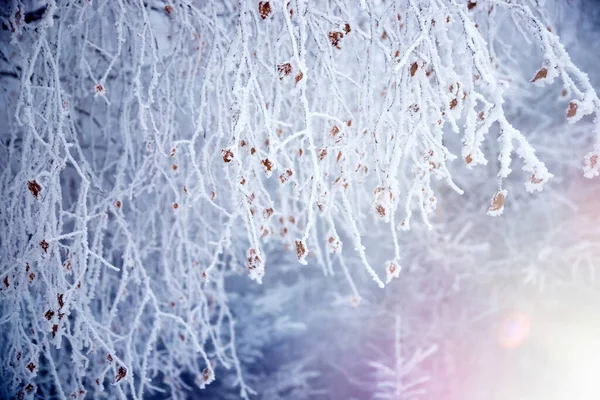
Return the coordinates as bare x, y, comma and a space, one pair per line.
264, 9
413, 69
227, 155
34, 188
541, 74
335, 38
300, 250
572, 110
284, 70
121, 373
497, 204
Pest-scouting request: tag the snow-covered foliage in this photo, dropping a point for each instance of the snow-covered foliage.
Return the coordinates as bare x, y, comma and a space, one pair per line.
155, 153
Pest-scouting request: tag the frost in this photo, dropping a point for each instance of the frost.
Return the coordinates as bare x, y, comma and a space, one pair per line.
154, 155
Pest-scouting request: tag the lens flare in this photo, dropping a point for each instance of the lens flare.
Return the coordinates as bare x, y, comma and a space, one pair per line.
513, 330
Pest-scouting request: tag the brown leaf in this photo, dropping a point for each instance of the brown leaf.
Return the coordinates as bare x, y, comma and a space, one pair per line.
535, 180
300, 249
497, 201
227, 155
413, 69
264, 9
572, 110
471, 4
206, 374
267, 164
121, 373
284, 69
322, 154
335, 38
541, 74
34, 188
453, 103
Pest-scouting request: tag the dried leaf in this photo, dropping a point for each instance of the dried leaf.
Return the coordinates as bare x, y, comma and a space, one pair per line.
300, 250
572, 110
267, 164
497, 203
34, 188
284, 70
121, 373
535, 180
227, 155
264, 9
335, 38
413, 69
322, 154
541, 74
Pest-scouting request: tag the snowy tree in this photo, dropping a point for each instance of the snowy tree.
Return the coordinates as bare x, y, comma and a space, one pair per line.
155, 151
